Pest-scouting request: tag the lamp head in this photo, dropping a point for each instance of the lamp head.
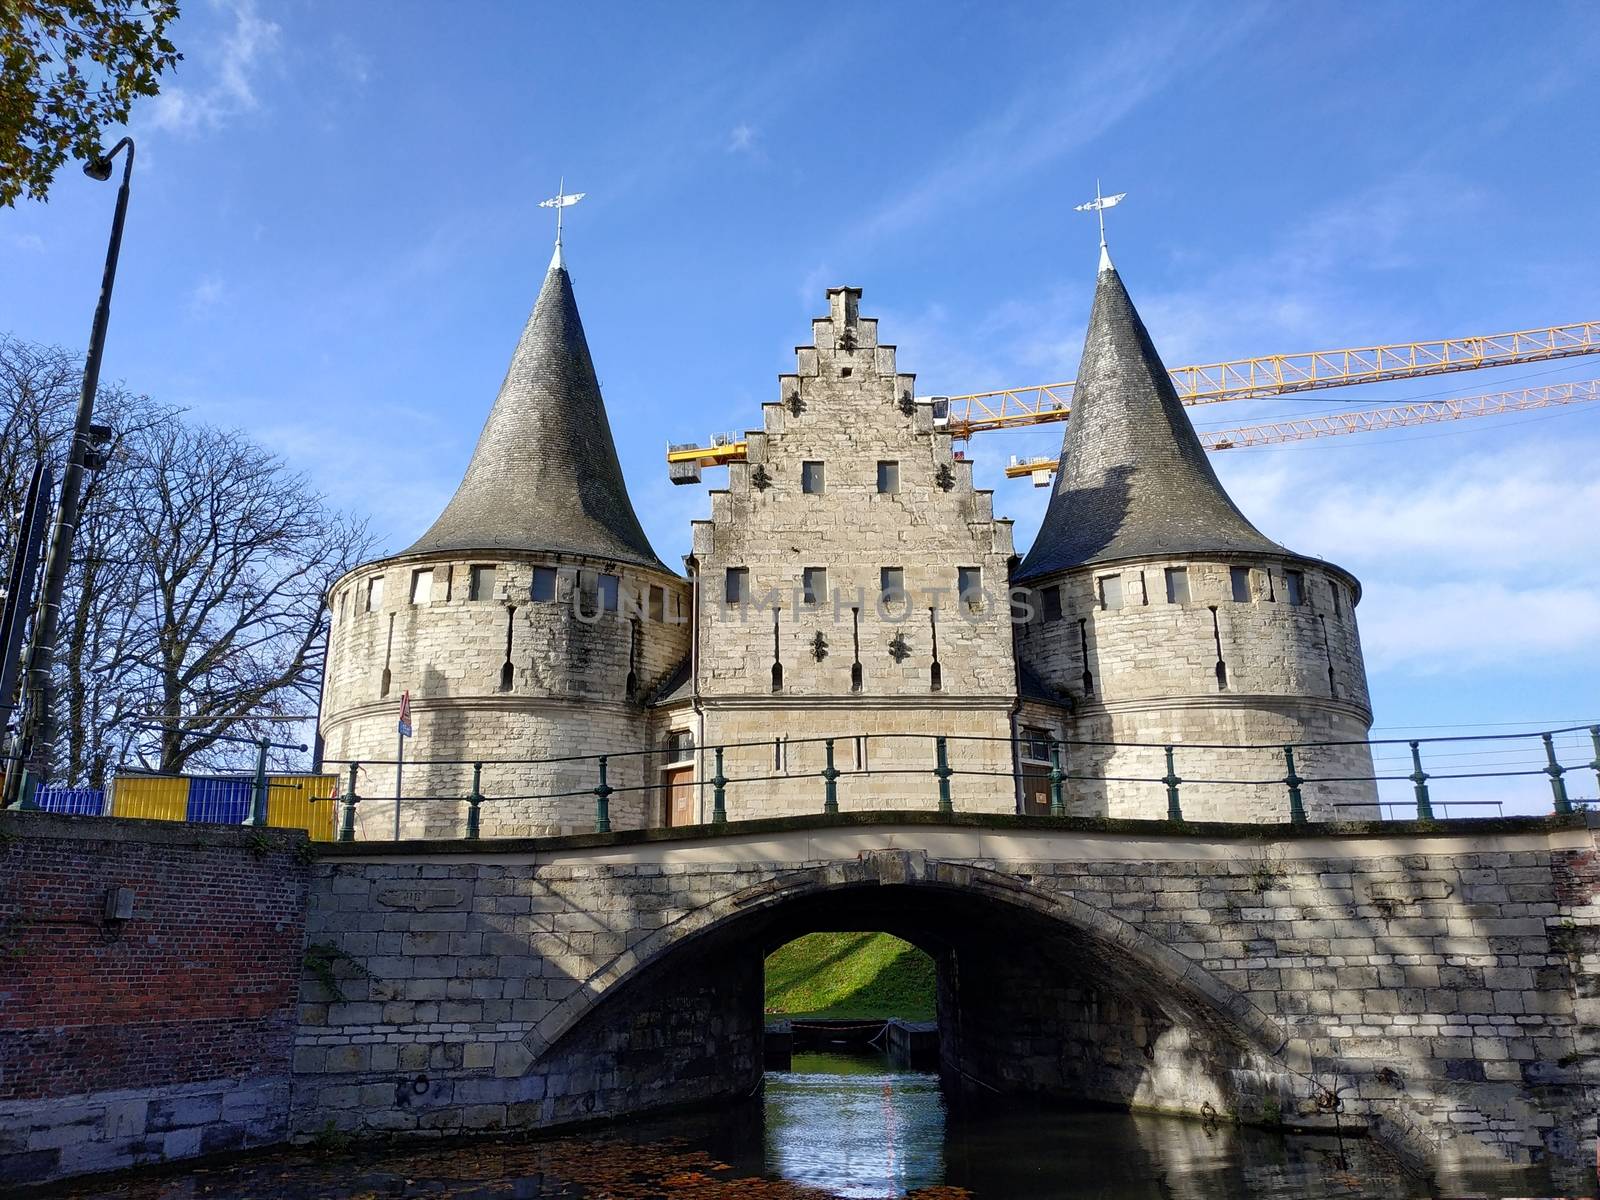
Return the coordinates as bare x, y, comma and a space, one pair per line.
98, 168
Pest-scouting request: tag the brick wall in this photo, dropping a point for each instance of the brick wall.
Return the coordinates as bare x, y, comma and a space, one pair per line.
158, 1037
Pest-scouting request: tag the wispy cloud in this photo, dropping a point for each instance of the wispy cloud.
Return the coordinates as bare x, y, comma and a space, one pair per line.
206, 295
742, 140
30, 242
233, 65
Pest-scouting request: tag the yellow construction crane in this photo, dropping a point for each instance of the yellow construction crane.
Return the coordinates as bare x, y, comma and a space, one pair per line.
1422, 412
1239, 379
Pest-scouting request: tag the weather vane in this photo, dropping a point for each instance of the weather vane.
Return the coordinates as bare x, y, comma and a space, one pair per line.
558, 202
1099, 205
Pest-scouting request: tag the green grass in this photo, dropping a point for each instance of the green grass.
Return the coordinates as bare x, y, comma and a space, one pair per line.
865, 976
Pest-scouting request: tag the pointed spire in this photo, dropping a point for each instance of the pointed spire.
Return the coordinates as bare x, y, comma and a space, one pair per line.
545, 475
1133, 479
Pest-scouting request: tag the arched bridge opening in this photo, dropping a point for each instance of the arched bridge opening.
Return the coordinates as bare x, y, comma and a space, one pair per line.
1038, 995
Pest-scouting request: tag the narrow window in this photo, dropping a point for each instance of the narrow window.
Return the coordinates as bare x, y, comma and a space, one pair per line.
610, 591
544, 583
1110, 592
1239, 577
1338, 599
736, 585
343, 596
1052, 603
1144, 589
1035, 744
480, 584
814, 584
658, 603
969, 586
421, 586
1294, 583
888, 478
811, 478
375, 594
891, 585
1177, 585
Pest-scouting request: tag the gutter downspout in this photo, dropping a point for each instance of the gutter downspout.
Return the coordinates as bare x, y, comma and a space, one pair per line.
692, 565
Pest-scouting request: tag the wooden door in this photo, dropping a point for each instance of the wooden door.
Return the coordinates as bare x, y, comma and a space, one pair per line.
678, 784
1036, 790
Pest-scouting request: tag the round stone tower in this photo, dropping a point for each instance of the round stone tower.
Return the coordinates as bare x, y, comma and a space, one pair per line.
532, 621
1163, 617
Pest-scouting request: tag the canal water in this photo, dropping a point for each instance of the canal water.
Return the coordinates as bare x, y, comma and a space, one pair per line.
838, 1126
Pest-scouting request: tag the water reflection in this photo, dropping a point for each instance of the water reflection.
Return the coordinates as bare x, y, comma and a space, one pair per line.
854, 1126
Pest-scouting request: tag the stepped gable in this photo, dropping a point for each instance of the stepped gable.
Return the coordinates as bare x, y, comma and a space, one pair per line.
1133, 479
545, 476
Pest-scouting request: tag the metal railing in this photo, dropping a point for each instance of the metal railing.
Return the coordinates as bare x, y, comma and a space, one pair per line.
1506, 757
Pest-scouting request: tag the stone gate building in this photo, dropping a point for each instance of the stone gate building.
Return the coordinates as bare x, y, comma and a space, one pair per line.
850, 585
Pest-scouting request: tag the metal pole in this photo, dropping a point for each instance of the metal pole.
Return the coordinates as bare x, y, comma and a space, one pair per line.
474, 800
1058, 803
347, 827
41, 653
1558, 786
943, 772
1174, 809
602, 801
719, 798
830, 793
1594, 736
258, 793
19, 587
399, 772
1419, 779
1297, 808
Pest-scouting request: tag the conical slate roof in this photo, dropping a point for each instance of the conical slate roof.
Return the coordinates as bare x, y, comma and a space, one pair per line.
545, 476
1133, 479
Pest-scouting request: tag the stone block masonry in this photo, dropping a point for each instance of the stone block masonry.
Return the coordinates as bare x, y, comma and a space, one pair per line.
158, 1037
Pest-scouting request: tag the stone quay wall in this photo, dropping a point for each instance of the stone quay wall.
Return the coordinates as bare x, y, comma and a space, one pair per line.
162, 1035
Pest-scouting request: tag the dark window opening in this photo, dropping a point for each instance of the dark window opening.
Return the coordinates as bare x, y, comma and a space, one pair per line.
1177, 585
1052, 603
736, 585
811, 481
1294, 583
544, 584
888, 478
969, 586
1110, 592
480, 584
814, 584
1239, 579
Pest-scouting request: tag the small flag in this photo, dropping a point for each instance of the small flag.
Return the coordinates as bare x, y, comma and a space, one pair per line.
1100, 203
405, 714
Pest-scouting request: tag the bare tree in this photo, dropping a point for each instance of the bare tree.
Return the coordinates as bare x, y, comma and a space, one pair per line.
195, 605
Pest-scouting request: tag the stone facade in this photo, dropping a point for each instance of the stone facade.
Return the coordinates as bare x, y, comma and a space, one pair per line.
881, 676
1422, 983
500, 675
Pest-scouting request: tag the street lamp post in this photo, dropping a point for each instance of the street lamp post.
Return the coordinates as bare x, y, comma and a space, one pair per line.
81, 455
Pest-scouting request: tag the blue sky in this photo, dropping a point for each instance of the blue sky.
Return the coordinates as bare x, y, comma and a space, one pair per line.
335, 239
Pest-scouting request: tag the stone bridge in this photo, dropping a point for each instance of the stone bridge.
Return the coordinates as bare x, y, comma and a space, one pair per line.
1429, 984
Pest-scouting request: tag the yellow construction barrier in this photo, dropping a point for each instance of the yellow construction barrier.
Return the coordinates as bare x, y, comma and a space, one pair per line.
303, 802
153, 797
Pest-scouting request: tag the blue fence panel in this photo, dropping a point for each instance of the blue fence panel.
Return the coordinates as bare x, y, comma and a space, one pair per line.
220, 799
81, 802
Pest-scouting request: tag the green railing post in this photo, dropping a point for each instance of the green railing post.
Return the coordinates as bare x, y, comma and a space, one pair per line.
347, 826
602, 801
1058, 802
258, 793
1558, 785
1292, 780
719, 795
830, 789
473, 801
1174, 808
943, 772
1419, 779
1594, 736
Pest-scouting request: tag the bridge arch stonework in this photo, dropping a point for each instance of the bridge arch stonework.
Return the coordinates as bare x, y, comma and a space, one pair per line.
1426, 984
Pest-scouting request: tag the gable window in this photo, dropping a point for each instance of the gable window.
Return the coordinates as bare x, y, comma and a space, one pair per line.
480, 584
888, 478
969, 586
811, 478
891, 585
1177, 585
1110, 592
736, 586
422, 586
814, 584
375, 594
1294, 583
1239, 578
1052, 603
544, 583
